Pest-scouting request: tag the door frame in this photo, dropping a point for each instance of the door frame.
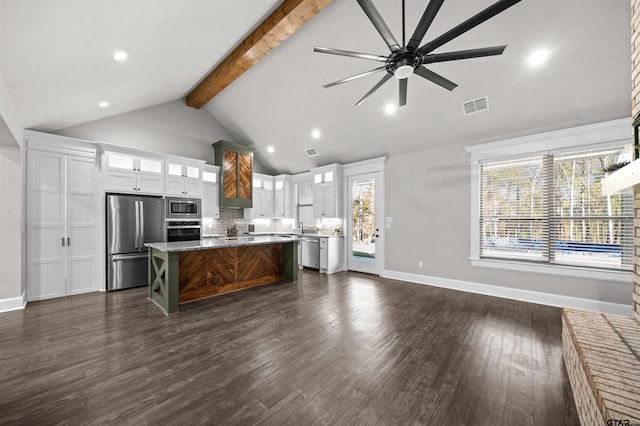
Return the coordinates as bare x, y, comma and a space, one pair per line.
360, 168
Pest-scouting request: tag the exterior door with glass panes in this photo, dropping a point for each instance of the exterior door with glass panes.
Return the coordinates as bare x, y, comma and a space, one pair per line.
365, 225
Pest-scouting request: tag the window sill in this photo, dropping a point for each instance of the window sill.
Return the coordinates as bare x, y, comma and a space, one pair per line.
559, 270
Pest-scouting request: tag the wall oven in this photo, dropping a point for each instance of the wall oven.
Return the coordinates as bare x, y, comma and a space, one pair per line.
183, 230
183, 219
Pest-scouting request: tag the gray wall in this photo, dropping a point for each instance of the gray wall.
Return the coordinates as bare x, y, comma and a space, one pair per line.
11, 208
170, 128
11, 198
428, 196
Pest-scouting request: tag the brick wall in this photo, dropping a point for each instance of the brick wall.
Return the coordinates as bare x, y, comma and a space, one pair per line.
635, 110
636, 254
586, 404
602, 356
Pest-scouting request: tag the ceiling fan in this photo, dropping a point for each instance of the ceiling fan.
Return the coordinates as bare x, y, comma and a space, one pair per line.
410, 58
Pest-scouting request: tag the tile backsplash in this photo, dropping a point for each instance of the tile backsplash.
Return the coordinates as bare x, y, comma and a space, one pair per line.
230, 217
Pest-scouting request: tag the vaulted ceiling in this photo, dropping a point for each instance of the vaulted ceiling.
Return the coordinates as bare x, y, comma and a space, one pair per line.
55, 60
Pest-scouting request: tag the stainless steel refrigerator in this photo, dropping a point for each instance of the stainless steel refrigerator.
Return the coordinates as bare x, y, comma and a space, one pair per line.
132, 220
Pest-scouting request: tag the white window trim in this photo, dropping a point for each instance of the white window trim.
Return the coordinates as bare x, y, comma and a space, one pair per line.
599, 135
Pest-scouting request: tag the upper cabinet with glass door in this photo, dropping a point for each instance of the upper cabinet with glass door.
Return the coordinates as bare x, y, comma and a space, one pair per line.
183, 179
125, 172
263, 198
283, 196
327, 191
210, 192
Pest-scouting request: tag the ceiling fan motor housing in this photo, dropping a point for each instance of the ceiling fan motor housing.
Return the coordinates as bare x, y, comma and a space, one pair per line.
403, 63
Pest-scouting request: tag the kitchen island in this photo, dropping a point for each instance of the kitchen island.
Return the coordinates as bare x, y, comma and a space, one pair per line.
185, 271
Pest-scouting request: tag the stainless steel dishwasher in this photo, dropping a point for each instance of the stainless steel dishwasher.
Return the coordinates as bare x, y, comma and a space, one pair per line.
311, 252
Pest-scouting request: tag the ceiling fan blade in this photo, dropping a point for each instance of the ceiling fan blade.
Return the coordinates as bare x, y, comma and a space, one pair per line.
463, 54
353, 77
350, 54
378, 22
470, 23
424, 24
403, 92
376, 87
435, 78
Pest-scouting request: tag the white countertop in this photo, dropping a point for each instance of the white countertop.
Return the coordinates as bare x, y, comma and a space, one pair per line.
297, 234
214, 243
276, 234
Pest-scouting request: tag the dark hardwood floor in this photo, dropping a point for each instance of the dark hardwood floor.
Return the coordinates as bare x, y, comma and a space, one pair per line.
341, 349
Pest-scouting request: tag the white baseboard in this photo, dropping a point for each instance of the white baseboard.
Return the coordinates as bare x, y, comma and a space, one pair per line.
13, 303
514, 293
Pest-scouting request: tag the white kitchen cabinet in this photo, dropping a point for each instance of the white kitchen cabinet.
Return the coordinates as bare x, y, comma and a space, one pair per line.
303, 191
62, 227
210, 192
183, 180
133, 182
183, 187
324, 201
283, 196
179, 169
327, 192
125, 172
331, 254
263, 198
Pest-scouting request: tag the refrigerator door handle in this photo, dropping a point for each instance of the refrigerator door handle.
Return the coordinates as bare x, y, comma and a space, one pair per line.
141, 224
137, 212
121, 257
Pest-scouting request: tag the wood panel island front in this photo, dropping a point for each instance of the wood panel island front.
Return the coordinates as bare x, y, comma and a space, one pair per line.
185, 271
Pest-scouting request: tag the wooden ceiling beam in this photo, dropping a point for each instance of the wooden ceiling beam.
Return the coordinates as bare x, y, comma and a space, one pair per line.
284, 21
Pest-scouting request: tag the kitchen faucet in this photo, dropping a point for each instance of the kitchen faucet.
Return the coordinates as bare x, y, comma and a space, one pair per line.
301, 226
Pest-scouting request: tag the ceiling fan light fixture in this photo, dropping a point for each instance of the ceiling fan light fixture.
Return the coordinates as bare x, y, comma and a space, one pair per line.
403, 71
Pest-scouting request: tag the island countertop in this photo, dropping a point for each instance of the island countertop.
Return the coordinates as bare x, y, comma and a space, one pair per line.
214, 243
185, 271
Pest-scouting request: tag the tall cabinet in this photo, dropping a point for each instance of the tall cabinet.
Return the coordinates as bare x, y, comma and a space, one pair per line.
283, 196
62, 228
210, 192
327, 191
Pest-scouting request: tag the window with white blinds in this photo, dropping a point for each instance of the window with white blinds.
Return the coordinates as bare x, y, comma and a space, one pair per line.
550, 209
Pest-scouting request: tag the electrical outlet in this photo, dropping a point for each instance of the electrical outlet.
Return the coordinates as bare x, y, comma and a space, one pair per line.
420, 264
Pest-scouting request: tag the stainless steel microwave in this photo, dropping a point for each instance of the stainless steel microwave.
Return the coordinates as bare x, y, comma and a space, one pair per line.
183, 208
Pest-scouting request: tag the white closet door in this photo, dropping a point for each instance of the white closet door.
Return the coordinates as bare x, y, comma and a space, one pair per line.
82, 208
46, 275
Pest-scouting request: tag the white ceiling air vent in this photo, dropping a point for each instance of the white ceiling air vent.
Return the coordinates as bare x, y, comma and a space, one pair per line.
311, 152
476, 105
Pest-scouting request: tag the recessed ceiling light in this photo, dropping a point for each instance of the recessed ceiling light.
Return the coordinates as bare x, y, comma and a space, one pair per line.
390, 108
538, 57
316, 134
270, 150
120, 56
103, 104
